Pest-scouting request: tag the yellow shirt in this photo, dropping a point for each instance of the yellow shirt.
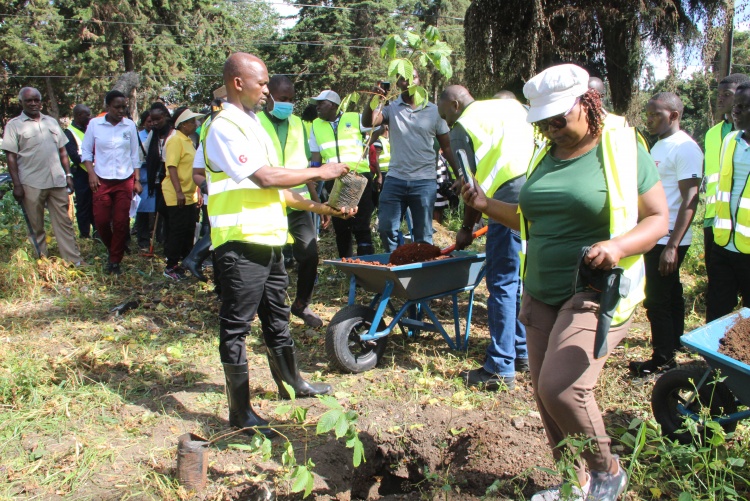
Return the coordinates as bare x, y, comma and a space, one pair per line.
180, 153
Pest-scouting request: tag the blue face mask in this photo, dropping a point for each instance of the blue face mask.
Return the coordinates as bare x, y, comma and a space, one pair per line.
282, 111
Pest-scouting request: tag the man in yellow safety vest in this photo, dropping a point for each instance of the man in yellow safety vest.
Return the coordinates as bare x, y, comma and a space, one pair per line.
75, 132
729, 270
712, 148
499, 143
247, 200
289, 140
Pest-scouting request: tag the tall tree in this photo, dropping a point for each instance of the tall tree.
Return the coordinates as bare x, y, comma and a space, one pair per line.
509, 42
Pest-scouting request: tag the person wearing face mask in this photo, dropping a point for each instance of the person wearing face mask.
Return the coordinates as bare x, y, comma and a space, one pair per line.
288, 135
180, 192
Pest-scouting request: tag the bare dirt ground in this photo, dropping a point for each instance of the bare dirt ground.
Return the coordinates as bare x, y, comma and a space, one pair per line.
140, 380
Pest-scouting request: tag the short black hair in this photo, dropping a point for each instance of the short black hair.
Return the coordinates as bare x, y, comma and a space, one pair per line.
670, 99
158, 105
144, 117
735, 78
743, 87
112, 95
278, 81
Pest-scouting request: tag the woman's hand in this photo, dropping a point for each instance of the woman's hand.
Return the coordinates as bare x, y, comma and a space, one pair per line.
180, 198
137, 188
604, 255
473, 196
93, 181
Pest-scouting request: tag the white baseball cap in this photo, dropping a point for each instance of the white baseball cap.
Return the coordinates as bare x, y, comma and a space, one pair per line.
328, 95
555, 90
186, 115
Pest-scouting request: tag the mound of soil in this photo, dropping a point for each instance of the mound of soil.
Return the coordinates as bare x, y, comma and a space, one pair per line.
736, 341
414, 253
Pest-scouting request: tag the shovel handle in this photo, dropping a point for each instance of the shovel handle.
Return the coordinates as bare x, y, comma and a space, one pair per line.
481, 231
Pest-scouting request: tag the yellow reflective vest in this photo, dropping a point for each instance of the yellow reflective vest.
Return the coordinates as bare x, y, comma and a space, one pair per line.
727, 226
711, 164
384, 160
78, 135
503, 141
620, 150
293, 155
612, 121
240, 212
345, 145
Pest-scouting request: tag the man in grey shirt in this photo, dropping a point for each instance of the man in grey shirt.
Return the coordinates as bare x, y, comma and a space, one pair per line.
412, 171
38, 164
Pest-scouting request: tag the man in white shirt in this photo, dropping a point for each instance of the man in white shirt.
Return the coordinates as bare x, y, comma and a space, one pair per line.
680, 163
247, 204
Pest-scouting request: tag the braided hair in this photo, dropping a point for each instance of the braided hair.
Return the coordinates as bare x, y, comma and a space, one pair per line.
592, 103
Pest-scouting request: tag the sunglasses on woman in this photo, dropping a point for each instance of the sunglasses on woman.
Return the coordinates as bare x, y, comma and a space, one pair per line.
558, 121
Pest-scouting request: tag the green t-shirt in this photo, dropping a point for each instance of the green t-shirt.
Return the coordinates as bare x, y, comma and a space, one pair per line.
567, 208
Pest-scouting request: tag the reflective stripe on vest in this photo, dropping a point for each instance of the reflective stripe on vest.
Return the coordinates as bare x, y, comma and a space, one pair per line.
293, 156
238, 211
612, 121
620, 152
348, 137
502, 138
711, 167
78, 136
384, 160
727, 226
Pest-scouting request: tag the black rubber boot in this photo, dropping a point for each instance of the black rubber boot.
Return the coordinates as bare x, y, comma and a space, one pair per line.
283, 362
194, 260
241, 415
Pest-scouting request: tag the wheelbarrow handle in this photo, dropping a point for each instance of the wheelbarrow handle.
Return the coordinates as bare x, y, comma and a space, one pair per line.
481, 231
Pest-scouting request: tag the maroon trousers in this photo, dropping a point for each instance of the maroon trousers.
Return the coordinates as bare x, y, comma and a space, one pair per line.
111, 204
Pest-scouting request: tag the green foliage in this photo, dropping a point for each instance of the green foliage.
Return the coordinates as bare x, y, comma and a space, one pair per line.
343, 423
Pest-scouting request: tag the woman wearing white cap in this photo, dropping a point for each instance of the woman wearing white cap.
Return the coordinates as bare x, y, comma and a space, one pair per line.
586, 188
179, 189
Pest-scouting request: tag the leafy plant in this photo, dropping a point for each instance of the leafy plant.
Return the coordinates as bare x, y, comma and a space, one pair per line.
299, 477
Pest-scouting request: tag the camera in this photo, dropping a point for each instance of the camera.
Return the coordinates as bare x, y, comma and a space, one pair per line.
386, 86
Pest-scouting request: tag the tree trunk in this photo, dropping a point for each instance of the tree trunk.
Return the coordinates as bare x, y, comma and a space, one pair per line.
54, 110
127, 52
724, 63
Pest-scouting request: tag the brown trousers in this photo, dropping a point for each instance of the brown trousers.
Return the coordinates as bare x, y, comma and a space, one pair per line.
56, 200
564, 373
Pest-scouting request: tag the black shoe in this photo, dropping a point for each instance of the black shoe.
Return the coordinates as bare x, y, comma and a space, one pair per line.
241, 415
283, 363
522, 365
114, 269
488, 380
308, 316
650, 367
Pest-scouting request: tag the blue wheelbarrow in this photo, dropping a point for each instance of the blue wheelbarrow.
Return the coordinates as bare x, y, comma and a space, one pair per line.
356, 335
683, 392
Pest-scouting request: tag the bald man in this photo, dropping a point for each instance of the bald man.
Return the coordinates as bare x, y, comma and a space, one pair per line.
247, 199
289, 139
611, 121
75, 133
498, 143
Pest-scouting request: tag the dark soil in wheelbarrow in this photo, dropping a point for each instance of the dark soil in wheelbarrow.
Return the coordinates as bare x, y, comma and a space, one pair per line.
736, 342
414, 253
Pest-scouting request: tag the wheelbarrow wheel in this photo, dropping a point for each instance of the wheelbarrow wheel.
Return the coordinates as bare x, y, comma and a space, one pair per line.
343, 345
675, 387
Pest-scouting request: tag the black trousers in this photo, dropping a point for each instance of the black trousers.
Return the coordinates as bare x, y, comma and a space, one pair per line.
144, 225
359, 225
180, 232
305, 252
664, 303
253, 280
84, 202
728, 276
708, 244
